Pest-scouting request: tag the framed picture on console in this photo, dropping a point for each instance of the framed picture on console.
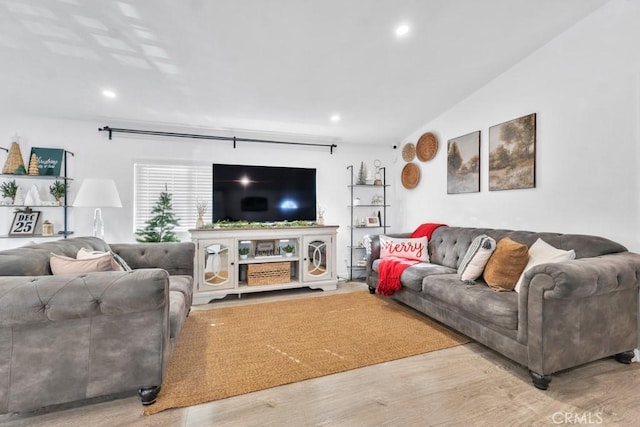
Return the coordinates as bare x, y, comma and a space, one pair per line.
512, 154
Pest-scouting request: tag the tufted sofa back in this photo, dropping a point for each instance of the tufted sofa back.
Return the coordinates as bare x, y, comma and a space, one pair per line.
176, 258
448, 245
33, 260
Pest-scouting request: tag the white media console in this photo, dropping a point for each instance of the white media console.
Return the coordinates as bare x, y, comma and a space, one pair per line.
242, 260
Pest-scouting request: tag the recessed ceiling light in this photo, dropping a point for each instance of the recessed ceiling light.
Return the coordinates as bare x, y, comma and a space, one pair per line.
402, 30
335, 118
108, 93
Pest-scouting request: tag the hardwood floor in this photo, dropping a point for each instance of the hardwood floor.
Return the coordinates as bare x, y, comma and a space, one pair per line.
466, 385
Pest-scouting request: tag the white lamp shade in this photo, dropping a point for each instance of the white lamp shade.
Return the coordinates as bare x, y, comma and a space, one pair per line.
98, 193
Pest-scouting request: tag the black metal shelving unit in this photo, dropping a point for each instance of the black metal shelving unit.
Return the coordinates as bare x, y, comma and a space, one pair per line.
357, 228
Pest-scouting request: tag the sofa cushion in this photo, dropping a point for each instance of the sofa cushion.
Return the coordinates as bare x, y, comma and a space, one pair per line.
412, 276
478, 301
183, 284
65, 265
415, 249
474, 261
178, 311
506, 265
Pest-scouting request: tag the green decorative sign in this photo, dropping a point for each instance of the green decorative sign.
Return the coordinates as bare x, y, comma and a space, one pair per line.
49, 160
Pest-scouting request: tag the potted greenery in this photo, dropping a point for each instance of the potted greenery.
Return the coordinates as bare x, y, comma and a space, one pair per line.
9, 190
58, 190
244, 253
288, 250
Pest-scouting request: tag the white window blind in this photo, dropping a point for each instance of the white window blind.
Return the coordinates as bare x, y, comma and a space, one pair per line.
188, 184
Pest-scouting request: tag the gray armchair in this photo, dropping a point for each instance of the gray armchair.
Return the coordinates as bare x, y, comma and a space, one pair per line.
70, 337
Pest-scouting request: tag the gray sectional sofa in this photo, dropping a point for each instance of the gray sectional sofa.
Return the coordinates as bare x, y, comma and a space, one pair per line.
566, 314
70, 337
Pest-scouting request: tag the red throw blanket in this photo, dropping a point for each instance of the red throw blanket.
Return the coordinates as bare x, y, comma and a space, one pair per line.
426, 229
390, 269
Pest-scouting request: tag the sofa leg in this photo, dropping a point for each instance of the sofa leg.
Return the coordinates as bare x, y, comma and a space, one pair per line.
148, 395
624, 357
372, 290
540, 381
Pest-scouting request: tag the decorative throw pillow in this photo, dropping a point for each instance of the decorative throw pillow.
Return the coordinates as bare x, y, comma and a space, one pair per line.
542, 253
64, 265
121, 262
416, 248
366, 242
117, 263
506, 265
476, 258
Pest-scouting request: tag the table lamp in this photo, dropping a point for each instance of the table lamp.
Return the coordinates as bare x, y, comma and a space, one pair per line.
98, 193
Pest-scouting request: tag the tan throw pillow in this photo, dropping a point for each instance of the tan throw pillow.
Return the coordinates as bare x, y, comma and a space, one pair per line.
506, 265
65, 265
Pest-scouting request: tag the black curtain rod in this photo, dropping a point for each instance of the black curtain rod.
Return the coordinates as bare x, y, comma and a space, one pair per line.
218, 138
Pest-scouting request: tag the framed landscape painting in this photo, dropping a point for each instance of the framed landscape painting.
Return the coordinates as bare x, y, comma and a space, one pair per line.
463, 164
512, 154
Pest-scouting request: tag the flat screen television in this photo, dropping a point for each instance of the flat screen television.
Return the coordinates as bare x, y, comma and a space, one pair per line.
263, 193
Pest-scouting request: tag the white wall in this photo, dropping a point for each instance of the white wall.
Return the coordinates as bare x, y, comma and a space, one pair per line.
97, 157
584, 88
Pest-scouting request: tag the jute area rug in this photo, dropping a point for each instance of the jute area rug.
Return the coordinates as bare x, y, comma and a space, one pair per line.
235, 350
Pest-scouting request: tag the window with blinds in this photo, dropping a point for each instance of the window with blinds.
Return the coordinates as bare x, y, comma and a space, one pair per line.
188, 184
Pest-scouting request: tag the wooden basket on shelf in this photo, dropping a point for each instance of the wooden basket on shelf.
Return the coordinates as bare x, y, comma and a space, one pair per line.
268, 273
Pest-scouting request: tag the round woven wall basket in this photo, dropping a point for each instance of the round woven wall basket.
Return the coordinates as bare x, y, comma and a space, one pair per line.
409, 152
427, 147
410, 175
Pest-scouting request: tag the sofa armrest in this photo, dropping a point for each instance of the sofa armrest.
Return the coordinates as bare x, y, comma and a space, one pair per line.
40, 299
175, 257
585, 277
578, 311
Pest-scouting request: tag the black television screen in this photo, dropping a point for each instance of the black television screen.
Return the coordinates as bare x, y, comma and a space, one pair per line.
263, 193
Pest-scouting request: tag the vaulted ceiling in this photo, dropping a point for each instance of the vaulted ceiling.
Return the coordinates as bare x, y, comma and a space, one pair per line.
270, 67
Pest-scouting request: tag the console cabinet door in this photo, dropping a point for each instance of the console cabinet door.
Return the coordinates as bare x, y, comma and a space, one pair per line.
216, 264
316, 258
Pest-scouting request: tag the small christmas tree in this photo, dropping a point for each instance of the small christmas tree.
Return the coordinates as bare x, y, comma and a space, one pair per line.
160, 227
362, 174
33, 165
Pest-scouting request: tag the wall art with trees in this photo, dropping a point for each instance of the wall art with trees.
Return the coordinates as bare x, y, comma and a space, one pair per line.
463, 164
512, 154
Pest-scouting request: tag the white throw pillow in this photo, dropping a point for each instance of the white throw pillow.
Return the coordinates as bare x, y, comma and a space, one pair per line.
474, 261
84, 253
543, 253
416, 248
